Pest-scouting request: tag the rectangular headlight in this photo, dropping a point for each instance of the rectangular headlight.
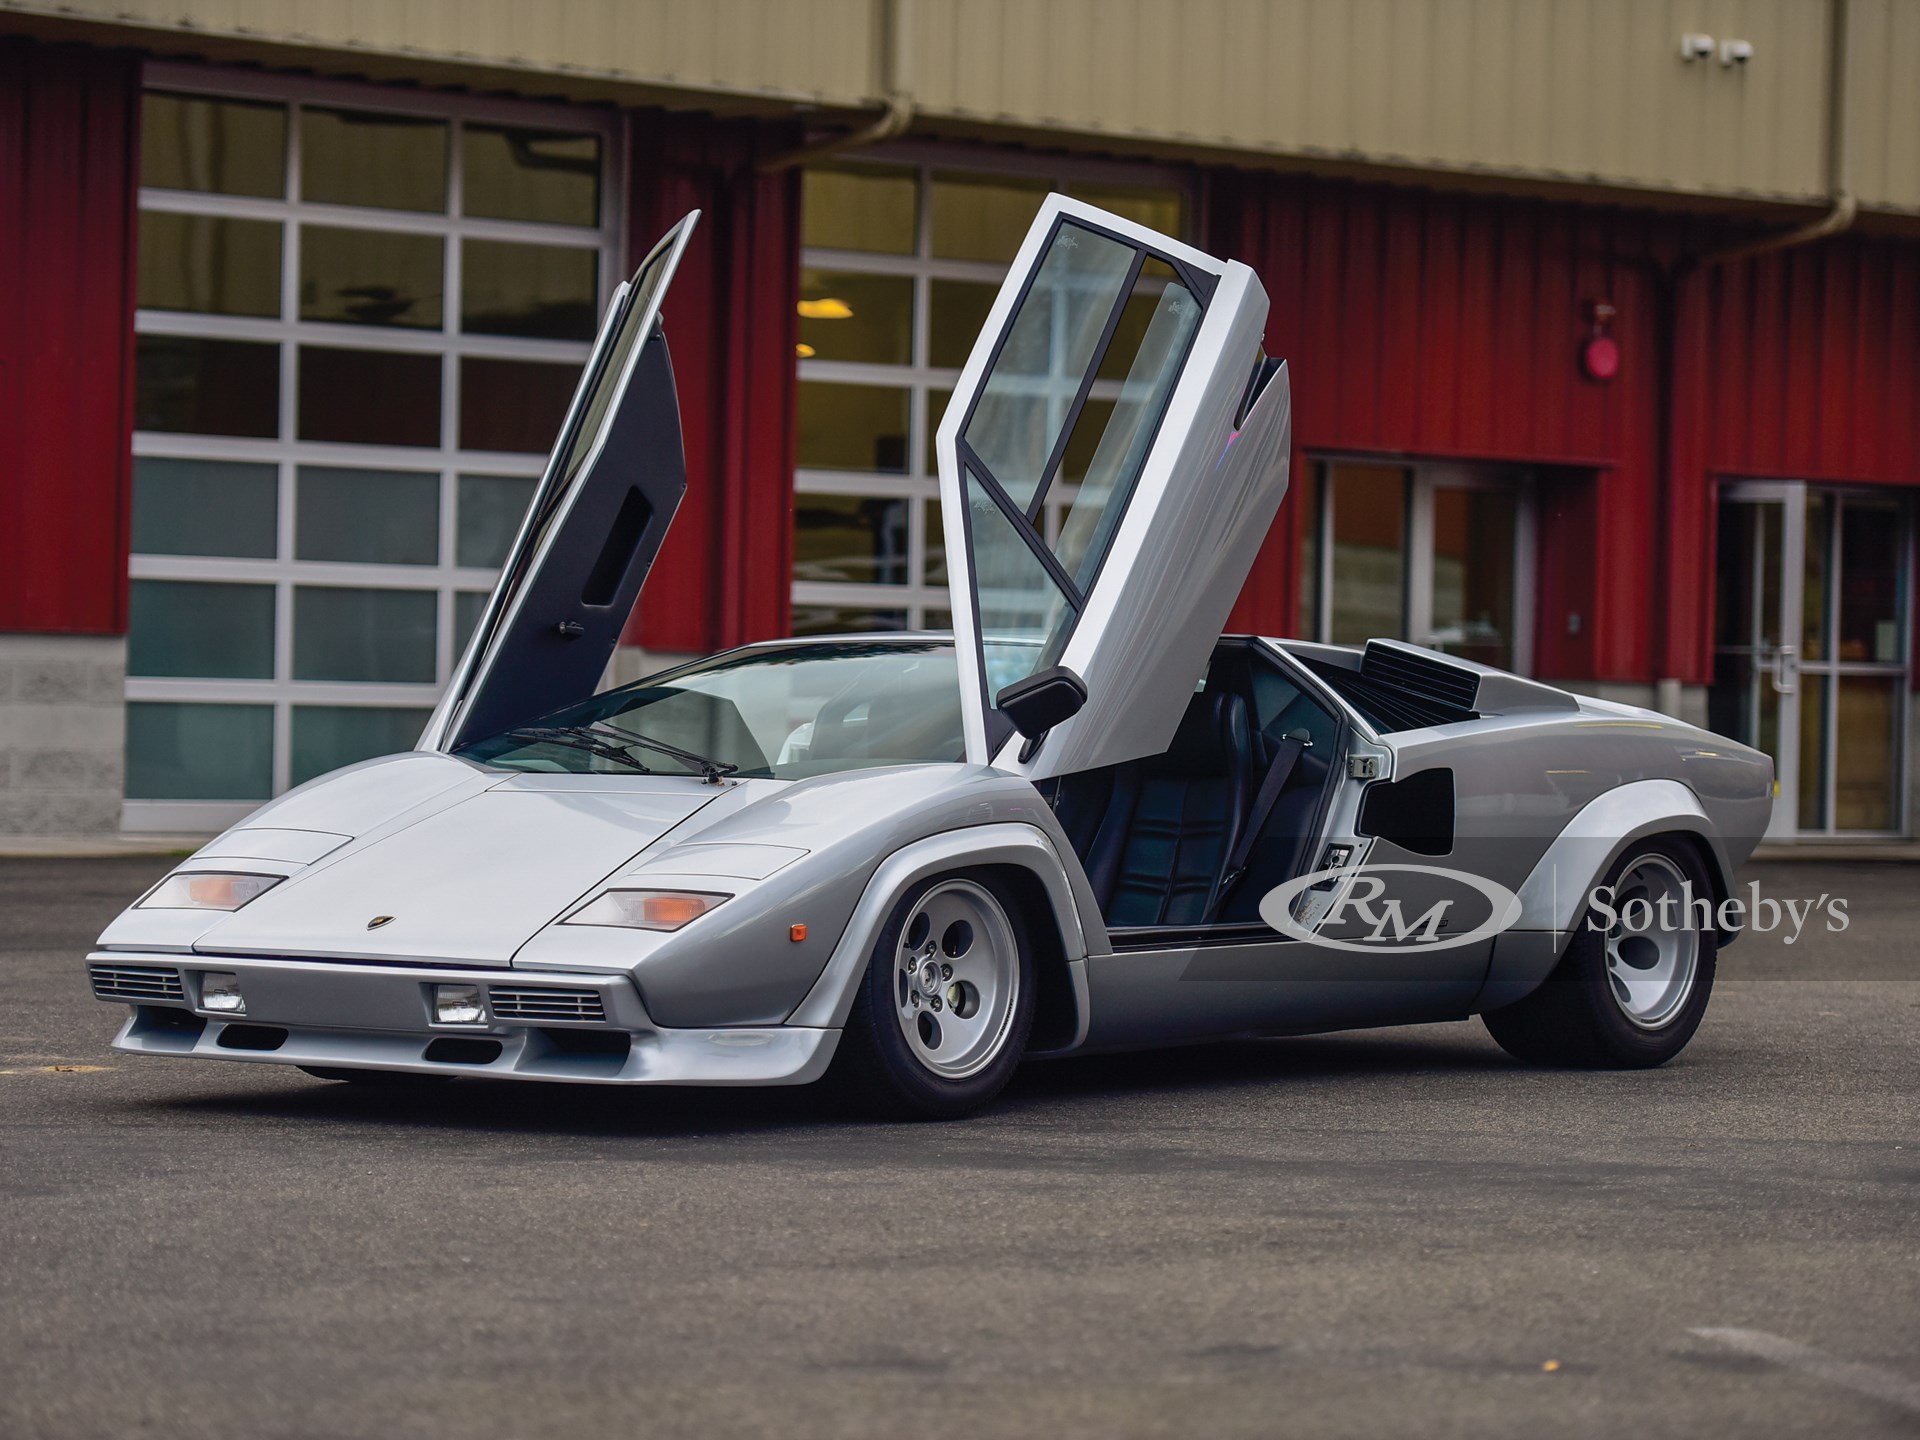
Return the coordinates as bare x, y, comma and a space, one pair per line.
220, 992
646, 909
208, 890
458, 1005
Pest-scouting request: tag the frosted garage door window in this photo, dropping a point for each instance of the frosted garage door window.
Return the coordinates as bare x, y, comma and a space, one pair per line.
361, 315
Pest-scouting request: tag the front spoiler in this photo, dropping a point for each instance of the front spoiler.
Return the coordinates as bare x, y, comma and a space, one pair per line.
376, 1017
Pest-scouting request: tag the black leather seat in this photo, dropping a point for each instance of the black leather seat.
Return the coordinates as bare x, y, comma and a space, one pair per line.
1154, 834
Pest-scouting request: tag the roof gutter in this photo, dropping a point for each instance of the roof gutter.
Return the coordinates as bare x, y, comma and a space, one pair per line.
893, 120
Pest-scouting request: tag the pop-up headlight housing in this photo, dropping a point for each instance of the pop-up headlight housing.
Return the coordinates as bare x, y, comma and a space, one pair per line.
208, 890
646, 909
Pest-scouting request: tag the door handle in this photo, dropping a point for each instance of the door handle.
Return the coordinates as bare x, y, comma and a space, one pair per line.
1786, 670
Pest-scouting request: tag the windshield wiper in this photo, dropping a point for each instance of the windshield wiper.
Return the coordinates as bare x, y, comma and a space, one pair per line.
578, 737
714, 770
609, 741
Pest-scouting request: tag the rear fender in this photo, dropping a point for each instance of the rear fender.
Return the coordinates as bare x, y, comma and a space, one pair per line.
1554, 895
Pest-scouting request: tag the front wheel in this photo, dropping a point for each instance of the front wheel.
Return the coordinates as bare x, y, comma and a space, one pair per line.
1630, 993
942, 1015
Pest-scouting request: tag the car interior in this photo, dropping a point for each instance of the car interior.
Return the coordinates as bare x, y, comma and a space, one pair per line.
1195, 835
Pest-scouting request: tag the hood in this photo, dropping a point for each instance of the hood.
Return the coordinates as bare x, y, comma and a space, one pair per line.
468, 885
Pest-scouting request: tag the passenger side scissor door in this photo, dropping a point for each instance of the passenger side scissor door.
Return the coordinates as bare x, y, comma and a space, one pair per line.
1122, 371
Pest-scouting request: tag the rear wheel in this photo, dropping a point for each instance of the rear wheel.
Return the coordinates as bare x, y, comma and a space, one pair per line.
1631, 993
942, 1015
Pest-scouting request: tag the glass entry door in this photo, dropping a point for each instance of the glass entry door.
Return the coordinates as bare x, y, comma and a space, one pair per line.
1810, 649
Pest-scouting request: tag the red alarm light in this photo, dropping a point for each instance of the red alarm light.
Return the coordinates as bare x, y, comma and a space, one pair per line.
1600, 358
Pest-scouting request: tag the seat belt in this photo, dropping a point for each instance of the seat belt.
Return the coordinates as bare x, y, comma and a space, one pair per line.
1286, 754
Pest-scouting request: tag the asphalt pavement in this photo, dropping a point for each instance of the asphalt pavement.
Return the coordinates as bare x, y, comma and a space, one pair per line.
1376, 1233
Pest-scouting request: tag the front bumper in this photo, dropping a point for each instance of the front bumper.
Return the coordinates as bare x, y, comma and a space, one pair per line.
578, 1027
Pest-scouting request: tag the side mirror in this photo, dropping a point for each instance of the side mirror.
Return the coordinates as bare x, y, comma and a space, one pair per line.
1043, 700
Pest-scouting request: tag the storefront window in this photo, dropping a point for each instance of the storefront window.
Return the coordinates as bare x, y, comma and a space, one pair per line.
900, 266
361, 316
1438, 554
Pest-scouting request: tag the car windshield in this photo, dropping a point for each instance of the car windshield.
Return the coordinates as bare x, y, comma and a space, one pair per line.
782, 712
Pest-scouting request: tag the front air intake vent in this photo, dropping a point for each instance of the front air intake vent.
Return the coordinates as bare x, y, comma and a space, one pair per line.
546, 1004
136, 984
1419, 673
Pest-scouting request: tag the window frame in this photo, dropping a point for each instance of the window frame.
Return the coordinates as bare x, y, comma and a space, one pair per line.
918, 486
445, 579
1422, 479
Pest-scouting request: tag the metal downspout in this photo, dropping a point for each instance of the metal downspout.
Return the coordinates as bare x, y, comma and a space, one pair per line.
1842, 207
892, 121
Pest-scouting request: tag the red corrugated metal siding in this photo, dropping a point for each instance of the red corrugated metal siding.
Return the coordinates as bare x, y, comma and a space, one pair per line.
725, 573
69, 126
1451, 327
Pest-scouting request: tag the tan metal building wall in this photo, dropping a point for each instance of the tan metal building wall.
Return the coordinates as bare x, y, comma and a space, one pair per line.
1589, 92
1882, 112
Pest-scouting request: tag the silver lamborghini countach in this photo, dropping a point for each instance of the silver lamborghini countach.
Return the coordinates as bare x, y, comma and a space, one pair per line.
1083, 820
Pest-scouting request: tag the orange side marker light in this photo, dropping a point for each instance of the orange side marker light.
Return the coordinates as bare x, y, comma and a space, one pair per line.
796, 933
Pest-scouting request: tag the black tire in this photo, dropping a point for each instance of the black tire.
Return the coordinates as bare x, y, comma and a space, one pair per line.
877, 1070
378, 1079
1578, 1017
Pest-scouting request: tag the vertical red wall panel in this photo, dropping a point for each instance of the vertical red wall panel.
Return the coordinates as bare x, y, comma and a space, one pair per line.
724, 575
69, 168
1451, 327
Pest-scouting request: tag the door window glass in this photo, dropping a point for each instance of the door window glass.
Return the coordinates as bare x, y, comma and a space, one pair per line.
1871, 541
1150, 356
1023, 611
1052, 343
1866, 752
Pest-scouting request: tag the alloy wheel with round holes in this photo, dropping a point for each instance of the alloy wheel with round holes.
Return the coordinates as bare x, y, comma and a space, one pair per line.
1634, 981
941, 1018
1650, 963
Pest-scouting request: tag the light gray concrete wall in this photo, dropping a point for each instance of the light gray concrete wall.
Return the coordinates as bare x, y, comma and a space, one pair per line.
63, 733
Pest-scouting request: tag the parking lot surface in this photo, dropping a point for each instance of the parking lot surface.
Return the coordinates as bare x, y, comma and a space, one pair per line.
1382, 1232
